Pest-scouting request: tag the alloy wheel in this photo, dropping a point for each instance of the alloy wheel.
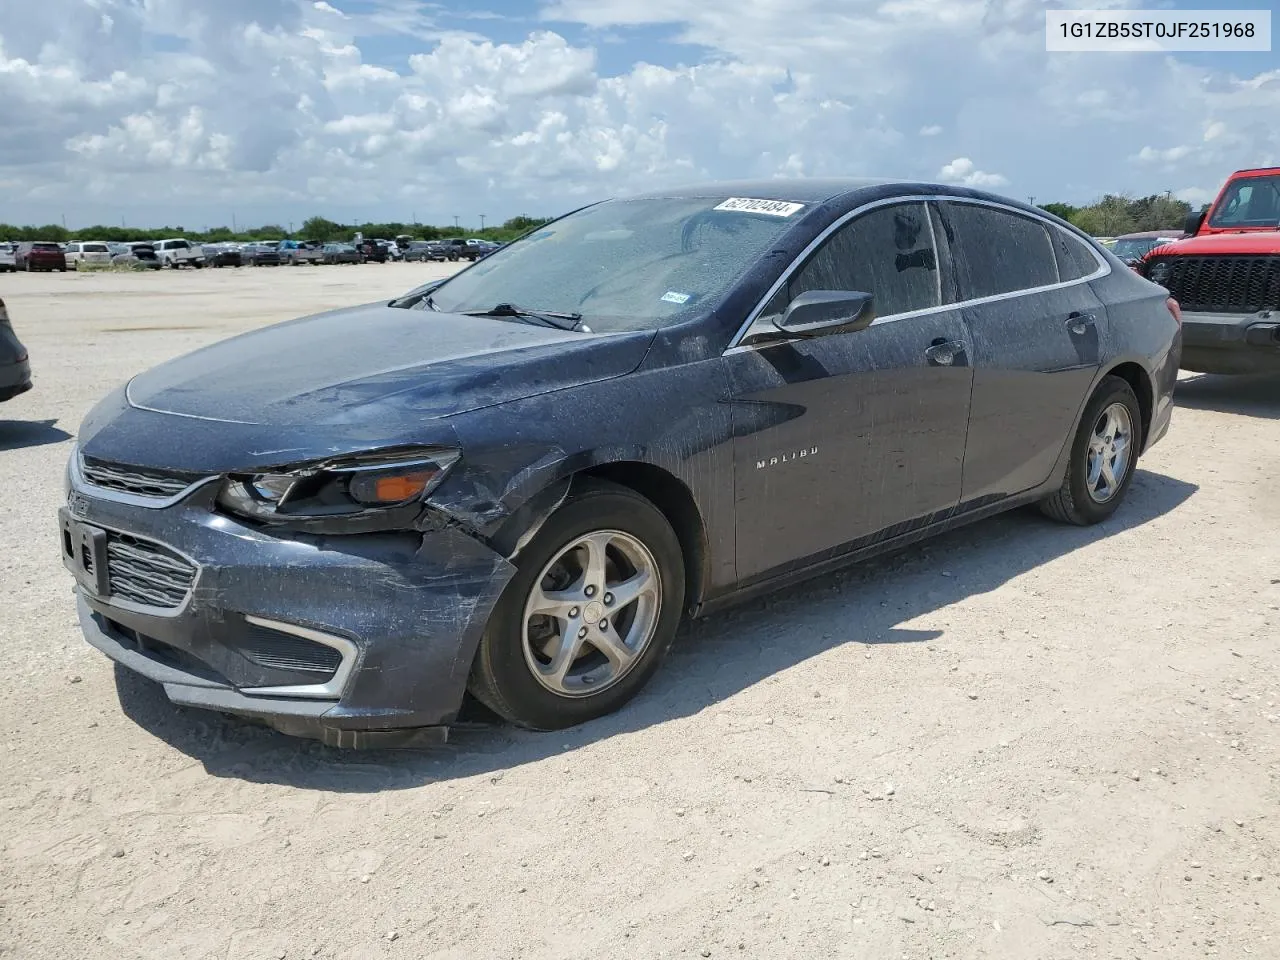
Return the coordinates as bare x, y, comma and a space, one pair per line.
1110, 453
592, 612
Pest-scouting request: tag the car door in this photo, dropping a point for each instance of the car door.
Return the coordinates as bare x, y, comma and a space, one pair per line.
847, 438
1037, 332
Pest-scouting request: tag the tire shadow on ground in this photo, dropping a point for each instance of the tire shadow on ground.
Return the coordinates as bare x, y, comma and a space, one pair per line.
713, 659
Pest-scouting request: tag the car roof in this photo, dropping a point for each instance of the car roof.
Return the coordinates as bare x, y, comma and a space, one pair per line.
1150, 234
796, 190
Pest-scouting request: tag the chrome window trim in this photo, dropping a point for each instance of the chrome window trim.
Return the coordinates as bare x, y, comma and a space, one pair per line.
1104, 267
81, 485
331, 689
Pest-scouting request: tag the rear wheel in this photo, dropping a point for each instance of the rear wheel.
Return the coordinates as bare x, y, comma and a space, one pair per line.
1104, 454
589, 615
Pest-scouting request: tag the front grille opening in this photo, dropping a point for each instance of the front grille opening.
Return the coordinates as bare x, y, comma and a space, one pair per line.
146, 573
141, 481
284, 651
1223, 284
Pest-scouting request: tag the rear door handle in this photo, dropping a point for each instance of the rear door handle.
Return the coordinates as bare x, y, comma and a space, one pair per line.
944, 353
1079, 323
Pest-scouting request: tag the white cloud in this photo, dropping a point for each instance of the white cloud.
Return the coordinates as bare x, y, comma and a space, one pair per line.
961, 170
165, 110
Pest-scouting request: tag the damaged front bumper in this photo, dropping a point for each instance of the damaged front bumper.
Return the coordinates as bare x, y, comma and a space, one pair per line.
356, 640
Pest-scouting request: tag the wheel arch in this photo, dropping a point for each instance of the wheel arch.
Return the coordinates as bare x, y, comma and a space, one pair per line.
668, 493
676, 502
1134, 374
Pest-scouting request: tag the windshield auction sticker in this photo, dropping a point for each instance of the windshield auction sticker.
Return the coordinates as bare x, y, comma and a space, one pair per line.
1158, 31
774, 208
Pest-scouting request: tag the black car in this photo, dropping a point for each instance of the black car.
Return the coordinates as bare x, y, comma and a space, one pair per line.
260, 255
425, 250
223, 255
340, 253
15, 366
517, 480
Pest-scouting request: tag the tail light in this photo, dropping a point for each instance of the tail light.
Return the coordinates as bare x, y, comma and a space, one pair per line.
1176, 310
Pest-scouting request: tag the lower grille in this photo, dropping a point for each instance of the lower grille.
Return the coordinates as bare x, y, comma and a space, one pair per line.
283, 651
141, 481
1220, 284
146, 573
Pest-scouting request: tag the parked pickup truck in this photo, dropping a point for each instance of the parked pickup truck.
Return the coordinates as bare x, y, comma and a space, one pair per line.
178, 252
1226, 276
295, 252
460, 249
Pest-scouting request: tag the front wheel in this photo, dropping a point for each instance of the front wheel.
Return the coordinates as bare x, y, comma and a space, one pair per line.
1104, 454
589, 615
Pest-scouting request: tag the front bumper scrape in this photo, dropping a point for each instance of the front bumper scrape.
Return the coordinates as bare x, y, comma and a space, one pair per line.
405, 611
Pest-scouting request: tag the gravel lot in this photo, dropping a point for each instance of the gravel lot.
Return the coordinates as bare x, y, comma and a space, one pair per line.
1018, 741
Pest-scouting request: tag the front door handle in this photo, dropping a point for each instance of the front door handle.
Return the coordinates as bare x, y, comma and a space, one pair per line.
944, 353
1079, 323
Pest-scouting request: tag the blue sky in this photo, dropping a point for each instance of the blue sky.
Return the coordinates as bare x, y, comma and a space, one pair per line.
161, 111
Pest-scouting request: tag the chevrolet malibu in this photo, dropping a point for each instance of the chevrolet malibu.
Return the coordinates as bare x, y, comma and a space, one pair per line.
516, 481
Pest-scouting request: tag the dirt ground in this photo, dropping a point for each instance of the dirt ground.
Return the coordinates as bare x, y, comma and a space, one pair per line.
1018, 741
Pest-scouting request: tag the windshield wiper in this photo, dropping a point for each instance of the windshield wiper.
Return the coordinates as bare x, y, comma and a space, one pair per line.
547, 318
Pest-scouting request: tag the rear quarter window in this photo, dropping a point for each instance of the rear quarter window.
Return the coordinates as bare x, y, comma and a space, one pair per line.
1075, 260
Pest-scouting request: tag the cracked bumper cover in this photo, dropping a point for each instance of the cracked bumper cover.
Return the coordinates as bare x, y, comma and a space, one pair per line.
407, 608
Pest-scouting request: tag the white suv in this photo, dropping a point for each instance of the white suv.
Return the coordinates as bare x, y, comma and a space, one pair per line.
90, 251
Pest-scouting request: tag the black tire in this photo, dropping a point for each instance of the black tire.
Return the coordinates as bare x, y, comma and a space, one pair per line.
1073, 502
500, 677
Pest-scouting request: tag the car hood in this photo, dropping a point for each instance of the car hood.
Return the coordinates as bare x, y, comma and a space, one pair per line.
333, 368
1225, 244
353, 380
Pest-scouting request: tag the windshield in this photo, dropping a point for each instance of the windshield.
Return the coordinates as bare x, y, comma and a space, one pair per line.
623, 264
1136, 248
1252, 202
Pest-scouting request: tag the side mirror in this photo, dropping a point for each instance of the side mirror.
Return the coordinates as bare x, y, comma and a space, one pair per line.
1194, 222
816, 313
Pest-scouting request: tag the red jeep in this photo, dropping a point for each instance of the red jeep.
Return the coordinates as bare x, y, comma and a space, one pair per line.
1226, 276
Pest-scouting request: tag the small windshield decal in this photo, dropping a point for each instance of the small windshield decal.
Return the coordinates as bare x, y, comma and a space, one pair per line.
671, 296
774, 208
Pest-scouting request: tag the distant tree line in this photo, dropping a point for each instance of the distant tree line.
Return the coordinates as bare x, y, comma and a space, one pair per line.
1116, 214
315, 228
1111, 216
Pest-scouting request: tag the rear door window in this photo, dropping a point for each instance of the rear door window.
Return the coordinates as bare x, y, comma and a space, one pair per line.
996, 251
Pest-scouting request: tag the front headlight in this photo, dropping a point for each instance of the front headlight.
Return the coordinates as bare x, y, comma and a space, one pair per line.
335, 488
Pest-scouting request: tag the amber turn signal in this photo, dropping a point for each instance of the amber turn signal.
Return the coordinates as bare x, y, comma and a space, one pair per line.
382, 489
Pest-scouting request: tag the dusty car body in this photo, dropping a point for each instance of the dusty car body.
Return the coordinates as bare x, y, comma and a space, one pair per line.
15, 364
485, 490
